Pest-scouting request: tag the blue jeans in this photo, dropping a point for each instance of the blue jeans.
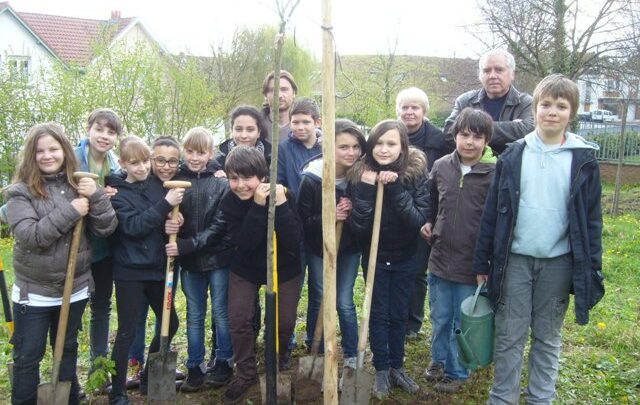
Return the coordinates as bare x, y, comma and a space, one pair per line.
100, 304
32, 326
136, 351
444, 304
346, 272
392, 291
195, 285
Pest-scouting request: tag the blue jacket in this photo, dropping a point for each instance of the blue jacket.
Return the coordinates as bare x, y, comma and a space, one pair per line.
292, 156
585, 227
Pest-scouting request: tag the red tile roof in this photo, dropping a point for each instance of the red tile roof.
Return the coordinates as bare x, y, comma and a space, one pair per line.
73, 39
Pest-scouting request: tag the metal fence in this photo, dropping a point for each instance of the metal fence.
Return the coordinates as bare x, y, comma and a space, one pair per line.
607, 136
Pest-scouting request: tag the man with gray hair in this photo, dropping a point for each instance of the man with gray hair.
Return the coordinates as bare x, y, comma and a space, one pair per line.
510, 109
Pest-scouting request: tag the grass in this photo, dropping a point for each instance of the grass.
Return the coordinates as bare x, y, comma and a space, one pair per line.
600, 362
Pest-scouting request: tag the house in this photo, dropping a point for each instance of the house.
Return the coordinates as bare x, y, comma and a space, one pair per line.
601, 92
31, 41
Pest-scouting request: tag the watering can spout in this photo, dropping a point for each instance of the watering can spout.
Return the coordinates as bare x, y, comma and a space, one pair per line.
467, 357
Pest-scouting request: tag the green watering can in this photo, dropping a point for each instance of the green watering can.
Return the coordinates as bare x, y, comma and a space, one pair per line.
475, 336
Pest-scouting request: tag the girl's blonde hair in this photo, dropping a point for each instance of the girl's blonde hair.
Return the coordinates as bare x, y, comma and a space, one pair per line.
199, 139
132, 148
28, 171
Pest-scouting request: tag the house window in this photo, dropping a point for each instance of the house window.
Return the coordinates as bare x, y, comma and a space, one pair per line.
19, 64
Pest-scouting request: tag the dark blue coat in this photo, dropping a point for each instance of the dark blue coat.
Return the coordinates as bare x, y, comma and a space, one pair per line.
585, 227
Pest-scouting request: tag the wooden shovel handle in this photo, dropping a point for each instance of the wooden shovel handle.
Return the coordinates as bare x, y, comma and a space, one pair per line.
371, 270
66, 300
168, 284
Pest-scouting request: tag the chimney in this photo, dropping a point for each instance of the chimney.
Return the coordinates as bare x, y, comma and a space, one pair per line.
115, 15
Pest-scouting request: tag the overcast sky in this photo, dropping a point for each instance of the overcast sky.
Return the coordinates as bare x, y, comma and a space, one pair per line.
422, 27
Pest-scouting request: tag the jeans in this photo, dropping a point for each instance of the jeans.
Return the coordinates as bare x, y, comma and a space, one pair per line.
32, 326
100, 304
416, 305
392, 289
444, 304
136, 351
128, 297
195, 285
346, 272
536, 297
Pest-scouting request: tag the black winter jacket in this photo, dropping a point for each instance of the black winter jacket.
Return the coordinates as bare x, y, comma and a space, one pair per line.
247, 226
310, 211
430, 140
202, 240
585, 227
225, 147
404, 210
139, 241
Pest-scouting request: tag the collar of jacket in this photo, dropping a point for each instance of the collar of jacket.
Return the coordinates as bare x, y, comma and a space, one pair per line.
513, 96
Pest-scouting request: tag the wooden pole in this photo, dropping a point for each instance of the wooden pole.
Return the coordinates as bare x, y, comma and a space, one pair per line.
330, 250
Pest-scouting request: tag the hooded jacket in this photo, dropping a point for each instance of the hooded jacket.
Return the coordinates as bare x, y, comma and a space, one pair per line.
225, 147
292, 156
310, 210
585, 225
43, 229
139, 242
517, 106
456, 208
202, 241
405, 209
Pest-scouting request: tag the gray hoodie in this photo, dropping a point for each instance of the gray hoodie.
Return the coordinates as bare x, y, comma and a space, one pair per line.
541, 229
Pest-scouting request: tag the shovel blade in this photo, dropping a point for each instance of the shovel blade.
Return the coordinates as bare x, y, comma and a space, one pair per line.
162, 378
283, 387
54, 393
356, 388
311, 368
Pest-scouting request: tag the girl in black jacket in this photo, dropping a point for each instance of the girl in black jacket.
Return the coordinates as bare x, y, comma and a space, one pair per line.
401, 168
142, 205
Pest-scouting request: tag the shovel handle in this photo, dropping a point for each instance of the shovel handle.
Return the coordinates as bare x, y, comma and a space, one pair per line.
371, 273
168, 287
66, 298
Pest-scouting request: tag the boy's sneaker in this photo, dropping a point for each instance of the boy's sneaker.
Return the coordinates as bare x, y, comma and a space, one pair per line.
382, 385
195, 380
434, 372
133, 374
399, 378
238, 390
449, 385
221, 374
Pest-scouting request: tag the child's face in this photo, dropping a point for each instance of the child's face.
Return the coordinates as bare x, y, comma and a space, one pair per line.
388, 147
242, 186
347, 150
196, 160
137, 170
304, 127
101, 137
49, 155
552, 117
245, 130
165, 162
470, 146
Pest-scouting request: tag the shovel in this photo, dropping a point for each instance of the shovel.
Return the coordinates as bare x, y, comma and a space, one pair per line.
357, 383
57, 392
162, 364
311, 368
8, 315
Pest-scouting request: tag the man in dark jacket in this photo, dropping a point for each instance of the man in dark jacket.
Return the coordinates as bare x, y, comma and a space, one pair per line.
510, 109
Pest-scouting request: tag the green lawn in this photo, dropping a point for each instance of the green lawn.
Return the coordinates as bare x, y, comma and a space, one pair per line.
600, 362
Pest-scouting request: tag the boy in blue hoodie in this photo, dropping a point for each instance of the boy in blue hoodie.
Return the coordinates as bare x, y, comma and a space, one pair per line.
95, 154
540, 240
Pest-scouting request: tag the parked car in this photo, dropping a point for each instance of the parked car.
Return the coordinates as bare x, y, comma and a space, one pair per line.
603, 116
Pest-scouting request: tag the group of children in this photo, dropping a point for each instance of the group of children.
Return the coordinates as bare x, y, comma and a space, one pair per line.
529, 225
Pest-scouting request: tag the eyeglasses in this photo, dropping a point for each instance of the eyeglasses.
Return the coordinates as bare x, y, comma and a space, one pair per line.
162, 162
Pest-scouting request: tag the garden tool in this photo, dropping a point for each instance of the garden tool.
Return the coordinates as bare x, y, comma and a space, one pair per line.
357, 383
475, 335
162, 364
57, 392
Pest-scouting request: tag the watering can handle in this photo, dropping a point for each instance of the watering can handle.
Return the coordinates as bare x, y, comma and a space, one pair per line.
476, 295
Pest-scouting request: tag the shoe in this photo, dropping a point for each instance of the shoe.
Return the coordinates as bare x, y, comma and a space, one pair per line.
284, 362
221, 374
180, 376
434, 372
238, 390
211, 364
119, 399
382, 386
350, 364
449, 385
195, 380
399, 378
133, 374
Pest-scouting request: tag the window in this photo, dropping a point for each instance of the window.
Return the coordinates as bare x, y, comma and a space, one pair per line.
19, 64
